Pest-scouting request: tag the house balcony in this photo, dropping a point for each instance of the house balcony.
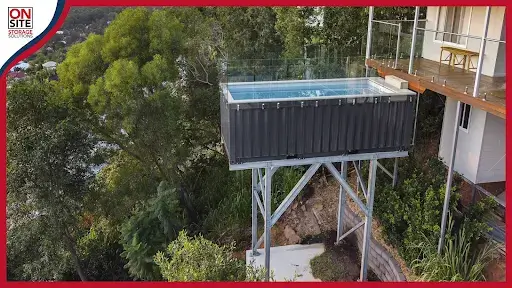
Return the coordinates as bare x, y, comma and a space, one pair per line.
444, 79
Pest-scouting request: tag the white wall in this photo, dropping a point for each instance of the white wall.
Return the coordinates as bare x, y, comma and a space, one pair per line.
500, 68
469, 143
431, 47
491, 167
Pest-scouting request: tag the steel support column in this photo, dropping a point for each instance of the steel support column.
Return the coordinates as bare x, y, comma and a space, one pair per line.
395, 172
254, 213
369, 38
449, 179
482, 52
341, 202
368, 222
413, 41
268, 220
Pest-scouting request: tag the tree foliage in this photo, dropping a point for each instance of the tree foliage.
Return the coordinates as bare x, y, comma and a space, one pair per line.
48, 176
198, 259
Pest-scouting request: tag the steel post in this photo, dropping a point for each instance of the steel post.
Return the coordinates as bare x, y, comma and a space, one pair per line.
449, 179
268, 220
369, 38
368, 222
482, 52
395, 172
341, 202
413, 41
254, 213
397, 45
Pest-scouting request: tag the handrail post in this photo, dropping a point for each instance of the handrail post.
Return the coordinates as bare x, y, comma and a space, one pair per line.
369, 39
482, 51
398, 45
413, 41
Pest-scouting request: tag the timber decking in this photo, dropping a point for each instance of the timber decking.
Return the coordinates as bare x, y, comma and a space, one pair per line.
458, 81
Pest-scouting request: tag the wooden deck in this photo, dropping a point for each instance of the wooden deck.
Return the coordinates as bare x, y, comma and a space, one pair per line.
456, 79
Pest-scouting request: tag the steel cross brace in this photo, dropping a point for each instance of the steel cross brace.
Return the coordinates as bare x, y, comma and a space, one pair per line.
289, 198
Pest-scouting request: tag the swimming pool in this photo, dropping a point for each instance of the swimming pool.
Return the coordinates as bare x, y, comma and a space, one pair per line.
273, 120
245, 92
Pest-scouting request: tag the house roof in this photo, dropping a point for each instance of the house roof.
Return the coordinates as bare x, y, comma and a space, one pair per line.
49, 64
16, 75
21, 65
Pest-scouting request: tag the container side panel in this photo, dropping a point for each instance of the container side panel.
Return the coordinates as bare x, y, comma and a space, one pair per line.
344, 114
283, 142
301, 127
383, 124
257, 131
292, 130
326, 127
335, 124
309, 130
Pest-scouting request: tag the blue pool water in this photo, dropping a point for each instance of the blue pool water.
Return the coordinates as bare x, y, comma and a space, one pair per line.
277, 90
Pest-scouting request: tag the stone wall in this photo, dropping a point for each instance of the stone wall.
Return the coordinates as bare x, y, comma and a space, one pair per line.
380, 261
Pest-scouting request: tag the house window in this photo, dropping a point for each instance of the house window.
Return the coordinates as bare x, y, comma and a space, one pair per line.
453, 20
465, 113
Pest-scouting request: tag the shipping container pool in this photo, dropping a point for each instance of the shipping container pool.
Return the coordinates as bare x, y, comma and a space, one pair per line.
276, 120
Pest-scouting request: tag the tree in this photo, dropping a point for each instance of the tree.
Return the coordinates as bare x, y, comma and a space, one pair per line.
148, 230
49, 174
249, 32
297, 27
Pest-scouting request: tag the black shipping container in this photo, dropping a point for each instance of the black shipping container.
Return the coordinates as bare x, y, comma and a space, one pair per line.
277, 129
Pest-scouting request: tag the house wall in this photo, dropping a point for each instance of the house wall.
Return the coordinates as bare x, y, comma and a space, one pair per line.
469, 143
431, 47
500, 68
491, 167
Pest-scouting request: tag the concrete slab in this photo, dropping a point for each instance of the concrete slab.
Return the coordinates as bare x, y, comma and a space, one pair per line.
287, 262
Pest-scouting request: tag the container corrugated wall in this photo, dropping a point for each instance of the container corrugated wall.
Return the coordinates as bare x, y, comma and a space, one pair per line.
304, 129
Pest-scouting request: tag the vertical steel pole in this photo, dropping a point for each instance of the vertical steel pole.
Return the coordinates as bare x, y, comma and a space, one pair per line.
449, 179
369, 39
341, 203
254, 212
268, 220
416, 118
395, 172
482, 52
398, 45
413, 41
357, 182
368, 223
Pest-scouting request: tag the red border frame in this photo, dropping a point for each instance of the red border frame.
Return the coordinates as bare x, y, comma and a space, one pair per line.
69, 3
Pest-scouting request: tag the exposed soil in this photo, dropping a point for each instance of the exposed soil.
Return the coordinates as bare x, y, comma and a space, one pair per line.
495, 271
338, 262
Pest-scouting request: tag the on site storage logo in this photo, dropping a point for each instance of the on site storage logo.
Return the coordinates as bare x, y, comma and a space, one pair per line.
20, 22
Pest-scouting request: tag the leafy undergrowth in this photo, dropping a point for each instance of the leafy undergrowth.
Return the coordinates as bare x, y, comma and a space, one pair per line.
338, 262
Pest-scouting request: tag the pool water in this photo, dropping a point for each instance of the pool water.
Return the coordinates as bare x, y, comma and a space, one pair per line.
303, 89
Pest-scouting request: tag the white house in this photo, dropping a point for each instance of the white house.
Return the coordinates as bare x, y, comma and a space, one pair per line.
480, 152
470, 21
50, 65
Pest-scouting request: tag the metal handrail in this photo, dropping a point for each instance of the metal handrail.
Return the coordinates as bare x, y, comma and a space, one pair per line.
464, 35
383, 22
405, 20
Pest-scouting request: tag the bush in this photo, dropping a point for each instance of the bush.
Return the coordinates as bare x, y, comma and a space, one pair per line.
460, 259
231, 201
413, 208
198, 259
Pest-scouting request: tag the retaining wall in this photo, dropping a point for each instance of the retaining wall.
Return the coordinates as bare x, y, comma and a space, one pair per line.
380, 261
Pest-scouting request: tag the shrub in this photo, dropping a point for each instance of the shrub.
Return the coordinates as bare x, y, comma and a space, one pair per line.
460, 260
198, 259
